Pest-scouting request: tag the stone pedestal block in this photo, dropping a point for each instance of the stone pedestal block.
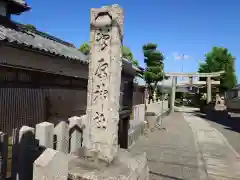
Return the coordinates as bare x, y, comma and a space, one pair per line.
61, 131
51, 165
126, 166
44, 133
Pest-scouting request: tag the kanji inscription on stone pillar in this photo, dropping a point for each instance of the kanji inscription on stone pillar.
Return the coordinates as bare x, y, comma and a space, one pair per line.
104, 82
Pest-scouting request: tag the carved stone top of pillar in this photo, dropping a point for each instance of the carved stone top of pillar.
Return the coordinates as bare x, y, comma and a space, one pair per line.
115, 13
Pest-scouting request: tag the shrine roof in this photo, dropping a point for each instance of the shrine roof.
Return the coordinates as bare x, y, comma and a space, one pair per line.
20, 36
42, 42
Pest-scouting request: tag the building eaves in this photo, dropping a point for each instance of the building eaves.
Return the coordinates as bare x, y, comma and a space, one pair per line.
34, 41
20, 2
17, 6
137, 68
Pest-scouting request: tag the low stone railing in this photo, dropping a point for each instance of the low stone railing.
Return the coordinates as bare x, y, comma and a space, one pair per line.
65, 136
28, 143
136, 124
135, 132
157, 108
139, 112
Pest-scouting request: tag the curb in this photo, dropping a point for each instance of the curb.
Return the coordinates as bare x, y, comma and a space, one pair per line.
226, 142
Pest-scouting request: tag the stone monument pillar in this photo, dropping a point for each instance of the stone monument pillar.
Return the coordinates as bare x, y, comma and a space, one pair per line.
101, 157
104, 82
220, 103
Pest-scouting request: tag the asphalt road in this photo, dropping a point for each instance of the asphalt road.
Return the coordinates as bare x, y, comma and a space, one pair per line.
229, 127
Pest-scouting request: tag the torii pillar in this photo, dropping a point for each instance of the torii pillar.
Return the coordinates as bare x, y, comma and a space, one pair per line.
173, 92
209, 90
190, 82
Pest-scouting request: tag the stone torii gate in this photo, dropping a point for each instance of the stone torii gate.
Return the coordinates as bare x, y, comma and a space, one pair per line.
209, 83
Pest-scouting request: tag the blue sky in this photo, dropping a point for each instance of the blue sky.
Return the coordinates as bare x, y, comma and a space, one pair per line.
186, 26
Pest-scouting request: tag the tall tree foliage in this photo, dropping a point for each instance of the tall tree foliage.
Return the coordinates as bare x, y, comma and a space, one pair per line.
127, 53
217, 60
154, 72
31, 27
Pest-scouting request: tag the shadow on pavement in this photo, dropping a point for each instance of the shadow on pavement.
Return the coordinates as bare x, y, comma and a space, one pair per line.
166, 176
234, 111
230, 120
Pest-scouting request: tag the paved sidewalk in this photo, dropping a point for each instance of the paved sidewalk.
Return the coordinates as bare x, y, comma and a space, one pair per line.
171, 153
221, 161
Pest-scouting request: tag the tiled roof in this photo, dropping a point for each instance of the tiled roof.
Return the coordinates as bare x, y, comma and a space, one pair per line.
35, 41
45, 43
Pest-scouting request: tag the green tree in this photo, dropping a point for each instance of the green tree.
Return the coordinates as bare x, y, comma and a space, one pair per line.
154, 72
126, 52
220, 59
135, 62
85, 48
30, 27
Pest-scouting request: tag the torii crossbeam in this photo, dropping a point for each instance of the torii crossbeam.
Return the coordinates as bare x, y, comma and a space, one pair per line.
209, 83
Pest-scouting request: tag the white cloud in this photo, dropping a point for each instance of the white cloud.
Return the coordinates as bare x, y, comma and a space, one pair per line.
180, 56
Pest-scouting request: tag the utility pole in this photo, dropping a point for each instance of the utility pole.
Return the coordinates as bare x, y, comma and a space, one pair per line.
160, 122
182, 59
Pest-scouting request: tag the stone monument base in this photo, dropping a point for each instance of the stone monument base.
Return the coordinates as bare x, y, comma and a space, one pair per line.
126, 166
220, 108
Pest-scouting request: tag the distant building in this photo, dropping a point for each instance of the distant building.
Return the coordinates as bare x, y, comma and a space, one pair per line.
233, 99
233, 93
237, 91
